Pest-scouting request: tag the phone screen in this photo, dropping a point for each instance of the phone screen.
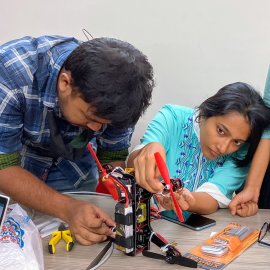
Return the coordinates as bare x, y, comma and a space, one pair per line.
192, 221
3, 208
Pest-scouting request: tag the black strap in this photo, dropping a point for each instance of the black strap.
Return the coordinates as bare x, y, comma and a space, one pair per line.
124, 219
124, 242
57, 147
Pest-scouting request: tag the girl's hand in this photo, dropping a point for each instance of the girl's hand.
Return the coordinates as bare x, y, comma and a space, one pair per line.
184, 198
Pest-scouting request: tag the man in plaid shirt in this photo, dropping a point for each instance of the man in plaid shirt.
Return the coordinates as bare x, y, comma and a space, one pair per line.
56, 95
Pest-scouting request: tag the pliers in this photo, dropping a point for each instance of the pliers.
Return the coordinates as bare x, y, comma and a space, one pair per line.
64, 233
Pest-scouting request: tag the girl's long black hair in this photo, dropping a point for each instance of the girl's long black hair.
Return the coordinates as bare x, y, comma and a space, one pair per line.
244, 99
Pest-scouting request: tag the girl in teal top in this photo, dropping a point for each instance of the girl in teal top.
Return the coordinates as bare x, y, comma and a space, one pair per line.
208, 148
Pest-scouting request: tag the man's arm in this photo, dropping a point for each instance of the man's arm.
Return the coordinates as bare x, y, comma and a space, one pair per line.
88, 223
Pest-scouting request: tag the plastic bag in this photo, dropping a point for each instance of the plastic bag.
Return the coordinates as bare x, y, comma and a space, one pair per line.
20, 242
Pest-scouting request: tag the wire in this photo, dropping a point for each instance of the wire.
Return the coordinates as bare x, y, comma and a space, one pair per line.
106, 256
87, 193
87, 34
93, 153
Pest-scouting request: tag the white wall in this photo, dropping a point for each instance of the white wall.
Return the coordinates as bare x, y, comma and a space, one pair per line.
195, 47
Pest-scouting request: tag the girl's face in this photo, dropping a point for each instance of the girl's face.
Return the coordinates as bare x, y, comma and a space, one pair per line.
224, 134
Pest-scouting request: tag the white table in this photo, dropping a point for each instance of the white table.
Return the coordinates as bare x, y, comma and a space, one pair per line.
256, 257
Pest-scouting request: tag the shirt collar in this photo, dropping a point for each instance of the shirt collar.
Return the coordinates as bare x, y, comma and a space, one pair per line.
196, 125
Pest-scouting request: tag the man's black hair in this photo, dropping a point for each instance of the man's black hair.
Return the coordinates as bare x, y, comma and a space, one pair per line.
113, 77
244, 99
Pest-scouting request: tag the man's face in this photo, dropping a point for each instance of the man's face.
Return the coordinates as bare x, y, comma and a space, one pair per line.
74, 108
221, 135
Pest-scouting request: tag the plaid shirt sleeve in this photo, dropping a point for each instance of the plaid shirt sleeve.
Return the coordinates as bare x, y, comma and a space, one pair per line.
113, 144
11, 119
8, 160
20, 85
18, 63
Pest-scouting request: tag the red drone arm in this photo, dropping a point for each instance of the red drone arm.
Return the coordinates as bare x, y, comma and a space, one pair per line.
103, 171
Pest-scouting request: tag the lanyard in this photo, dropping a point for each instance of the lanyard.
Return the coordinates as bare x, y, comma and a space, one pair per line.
58, 148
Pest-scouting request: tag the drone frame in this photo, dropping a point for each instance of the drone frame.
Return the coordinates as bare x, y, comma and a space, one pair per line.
133, 231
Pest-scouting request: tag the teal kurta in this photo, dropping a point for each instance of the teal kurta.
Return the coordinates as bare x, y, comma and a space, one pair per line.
176, 129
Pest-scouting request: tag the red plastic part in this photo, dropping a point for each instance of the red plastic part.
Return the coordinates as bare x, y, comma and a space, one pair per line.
108, 184
166, 177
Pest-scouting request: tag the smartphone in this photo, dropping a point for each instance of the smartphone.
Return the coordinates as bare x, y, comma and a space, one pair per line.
4, 200
192, 221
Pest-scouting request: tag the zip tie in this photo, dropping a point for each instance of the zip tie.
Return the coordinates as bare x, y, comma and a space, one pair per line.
165, 248
152, 233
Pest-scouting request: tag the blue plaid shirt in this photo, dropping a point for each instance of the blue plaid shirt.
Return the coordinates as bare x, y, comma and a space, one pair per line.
29, 69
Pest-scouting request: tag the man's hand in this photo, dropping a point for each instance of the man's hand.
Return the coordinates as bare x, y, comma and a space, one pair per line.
88, 223
245, 203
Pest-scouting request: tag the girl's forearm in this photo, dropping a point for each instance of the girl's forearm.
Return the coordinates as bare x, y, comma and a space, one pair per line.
203, 204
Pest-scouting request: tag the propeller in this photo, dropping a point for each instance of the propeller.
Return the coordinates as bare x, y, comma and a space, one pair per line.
180, 260
165, 175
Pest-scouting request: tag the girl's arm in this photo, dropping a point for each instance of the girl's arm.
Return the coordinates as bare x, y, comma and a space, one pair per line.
196, 202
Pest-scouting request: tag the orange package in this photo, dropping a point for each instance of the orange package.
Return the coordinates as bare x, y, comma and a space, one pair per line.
219, 250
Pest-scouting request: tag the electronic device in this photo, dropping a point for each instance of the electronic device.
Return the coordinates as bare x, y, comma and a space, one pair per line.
4, 200
133, 231
192, 221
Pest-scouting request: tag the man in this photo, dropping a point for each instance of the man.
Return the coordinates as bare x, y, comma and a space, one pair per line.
56, 95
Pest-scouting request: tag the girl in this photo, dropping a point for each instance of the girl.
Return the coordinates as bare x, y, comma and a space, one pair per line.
208, 148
